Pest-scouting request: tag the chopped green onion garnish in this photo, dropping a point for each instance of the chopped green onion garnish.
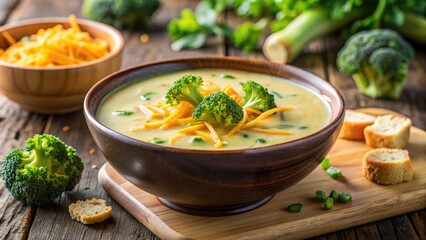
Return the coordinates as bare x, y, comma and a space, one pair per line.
282, 116
320, 196
146, 96
197, 140
245, 135
297, 207
227, 76
344, 197
157, 140
328, 204
260, 140
334, 195
285, 126
334, 172
122, 113
325, 164
277, 94
291, 95
303, 127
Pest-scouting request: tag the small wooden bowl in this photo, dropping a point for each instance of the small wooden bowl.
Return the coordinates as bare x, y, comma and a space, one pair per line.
57, 89
213, 182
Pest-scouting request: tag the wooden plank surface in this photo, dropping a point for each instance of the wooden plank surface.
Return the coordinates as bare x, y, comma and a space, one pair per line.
370, 202
52, 222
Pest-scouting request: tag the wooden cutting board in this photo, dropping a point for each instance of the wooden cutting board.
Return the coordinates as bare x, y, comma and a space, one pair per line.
371, 202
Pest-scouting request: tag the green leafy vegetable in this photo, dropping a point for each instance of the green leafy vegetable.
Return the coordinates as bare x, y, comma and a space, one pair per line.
121, 13
40, 173
378, 61
247, 35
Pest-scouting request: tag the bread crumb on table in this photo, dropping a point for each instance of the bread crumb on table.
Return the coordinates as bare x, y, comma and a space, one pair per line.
144, 38
90, 211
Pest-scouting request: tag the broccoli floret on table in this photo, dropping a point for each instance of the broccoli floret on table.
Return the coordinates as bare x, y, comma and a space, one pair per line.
40, 173
257, 97
378, 61
185, 89
219, 109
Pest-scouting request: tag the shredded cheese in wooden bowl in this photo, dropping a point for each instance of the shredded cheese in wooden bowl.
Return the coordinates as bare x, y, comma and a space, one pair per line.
54, 46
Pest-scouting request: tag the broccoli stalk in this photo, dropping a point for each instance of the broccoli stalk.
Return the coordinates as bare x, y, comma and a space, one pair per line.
378, 61
257, 97
285, 45
185, 89
219, 109
41, 172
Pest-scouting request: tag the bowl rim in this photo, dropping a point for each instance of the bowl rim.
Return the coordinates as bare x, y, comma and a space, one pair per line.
90, 117
115, 50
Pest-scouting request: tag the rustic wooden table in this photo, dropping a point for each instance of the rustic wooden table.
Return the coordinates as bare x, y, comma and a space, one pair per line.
18, 221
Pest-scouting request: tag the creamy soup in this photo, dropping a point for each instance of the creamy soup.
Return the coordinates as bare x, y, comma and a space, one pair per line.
120, 111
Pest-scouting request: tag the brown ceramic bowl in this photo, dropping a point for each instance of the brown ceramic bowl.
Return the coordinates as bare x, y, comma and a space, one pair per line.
209, 182
57, 89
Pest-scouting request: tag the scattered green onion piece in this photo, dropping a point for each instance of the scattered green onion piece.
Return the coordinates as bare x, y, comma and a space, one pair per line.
157, 140
285, 126
303, 127
227, 76
328, 204
245, 135
277, 94
146, 96
260, 140
325, 164
334, 172
122, 113
197, 140
282, 116
292, 95
334, 195
294, 208
344, 197
320, 196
